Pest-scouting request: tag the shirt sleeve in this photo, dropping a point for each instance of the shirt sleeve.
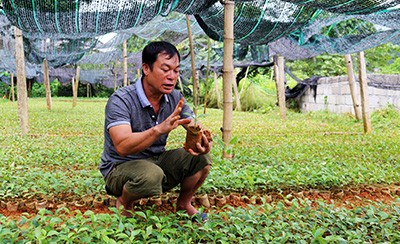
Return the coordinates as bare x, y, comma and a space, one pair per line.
117, 112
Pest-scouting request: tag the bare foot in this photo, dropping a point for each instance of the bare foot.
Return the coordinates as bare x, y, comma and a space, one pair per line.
126, 210
188, 207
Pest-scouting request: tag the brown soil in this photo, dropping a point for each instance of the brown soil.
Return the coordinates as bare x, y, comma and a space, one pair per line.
194, 135
348, 198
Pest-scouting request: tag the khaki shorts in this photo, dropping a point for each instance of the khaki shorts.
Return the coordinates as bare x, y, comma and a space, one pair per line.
155, 175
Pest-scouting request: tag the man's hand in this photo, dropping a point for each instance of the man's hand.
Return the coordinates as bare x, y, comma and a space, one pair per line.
173, 120
203, 148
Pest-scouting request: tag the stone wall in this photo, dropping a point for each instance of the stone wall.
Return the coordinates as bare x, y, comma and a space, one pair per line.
333, 94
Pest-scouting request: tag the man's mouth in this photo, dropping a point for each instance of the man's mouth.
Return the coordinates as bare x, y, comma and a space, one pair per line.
168, 86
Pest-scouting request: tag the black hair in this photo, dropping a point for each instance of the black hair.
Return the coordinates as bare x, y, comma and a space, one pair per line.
153, 49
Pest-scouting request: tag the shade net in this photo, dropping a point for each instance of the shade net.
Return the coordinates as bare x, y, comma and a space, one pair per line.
90, 33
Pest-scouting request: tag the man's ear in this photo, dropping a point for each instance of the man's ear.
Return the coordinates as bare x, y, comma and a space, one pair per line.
146, 69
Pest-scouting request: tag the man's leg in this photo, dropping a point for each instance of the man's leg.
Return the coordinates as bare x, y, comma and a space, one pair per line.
126, 200
132, 180
189, 187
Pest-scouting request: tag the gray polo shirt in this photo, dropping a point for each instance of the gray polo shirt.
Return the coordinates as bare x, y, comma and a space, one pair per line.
130, 106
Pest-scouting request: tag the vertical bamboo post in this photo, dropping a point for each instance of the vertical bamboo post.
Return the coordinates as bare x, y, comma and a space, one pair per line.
180, 84
276, 72
237, 96
87, 90
366, 114
281, 87
125, 64
29, 88
21, 82
73, 86
193, 64
207, 74
47, 83
12, 87
78, 69
228, 76
138, 74
115, 74
5, 90
352, 84
217, 89
245, 79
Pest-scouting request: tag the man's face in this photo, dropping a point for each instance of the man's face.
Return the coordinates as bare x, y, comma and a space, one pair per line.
163, 77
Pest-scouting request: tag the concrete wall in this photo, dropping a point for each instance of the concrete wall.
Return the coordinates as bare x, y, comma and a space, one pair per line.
333, 94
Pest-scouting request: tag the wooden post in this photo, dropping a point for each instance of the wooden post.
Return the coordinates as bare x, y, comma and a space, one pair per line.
207, 75
276, 72
228, 76
180, 84
217, 89
237, 96
193, 65
73, 86
78, 69
281, 87
138, 74
115, 84
87, 90
12, 87
352, 84
47, 83
125, 64
366, 114
29, 88
5, 90
21, 82
245, 79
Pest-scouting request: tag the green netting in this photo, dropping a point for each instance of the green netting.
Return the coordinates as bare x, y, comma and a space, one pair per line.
348, 6
73, 32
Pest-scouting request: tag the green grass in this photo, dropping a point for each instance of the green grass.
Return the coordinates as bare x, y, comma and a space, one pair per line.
318, 150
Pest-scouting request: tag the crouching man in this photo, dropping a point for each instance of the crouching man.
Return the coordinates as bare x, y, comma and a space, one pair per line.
138, 119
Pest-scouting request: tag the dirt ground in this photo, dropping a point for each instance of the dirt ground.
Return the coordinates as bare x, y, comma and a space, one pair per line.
346, 197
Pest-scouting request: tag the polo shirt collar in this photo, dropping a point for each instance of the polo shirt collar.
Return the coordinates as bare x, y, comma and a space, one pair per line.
142, 97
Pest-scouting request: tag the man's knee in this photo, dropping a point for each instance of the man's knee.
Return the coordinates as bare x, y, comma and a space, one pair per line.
148, 183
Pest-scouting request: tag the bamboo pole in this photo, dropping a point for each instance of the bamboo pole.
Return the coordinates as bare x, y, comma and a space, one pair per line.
125, 64
47, 83
237, 96
228, 76
366, 114
29, 88
217, 89
73, 86
12, 87
193, 64
281, 87
276, 72
352, 84
5, 90
245, 79
21, 82
78, 70
207, 74
115, 74
180, 84
138, 74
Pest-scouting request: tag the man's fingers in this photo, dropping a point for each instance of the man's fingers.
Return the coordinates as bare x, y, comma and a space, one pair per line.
178, 107
184, 121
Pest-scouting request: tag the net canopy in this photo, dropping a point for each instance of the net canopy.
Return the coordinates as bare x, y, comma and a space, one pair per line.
90, 33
